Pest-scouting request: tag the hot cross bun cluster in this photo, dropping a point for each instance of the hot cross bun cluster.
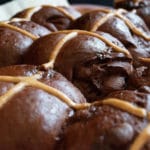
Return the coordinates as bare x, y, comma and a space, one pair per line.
17, 34
73, 78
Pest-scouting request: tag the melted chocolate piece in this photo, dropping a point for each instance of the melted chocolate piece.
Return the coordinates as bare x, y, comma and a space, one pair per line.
141, 77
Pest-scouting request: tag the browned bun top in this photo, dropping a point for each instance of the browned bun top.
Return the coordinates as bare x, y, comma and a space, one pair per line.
16, 36
142, 8
14, 42
128, 27
30, 26
113, 25
53, 18
97, 63
108, 127
32, 107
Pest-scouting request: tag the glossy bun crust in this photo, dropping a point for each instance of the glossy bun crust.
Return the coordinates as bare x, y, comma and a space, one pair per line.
128, 27
107, 128
142, 8
30, 26
31, 117
16, 36
53, 18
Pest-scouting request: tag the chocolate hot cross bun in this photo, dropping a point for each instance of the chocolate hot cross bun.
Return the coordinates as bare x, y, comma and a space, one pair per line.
141, 7
34, 106
128, 27
30, 26
15, 38
121, 122
53, 18
96, 63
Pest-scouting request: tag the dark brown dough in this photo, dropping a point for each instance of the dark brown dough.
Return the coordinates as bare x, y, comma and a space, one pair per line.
33, 118
106, 127
51, 17
31, 27
93, 66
